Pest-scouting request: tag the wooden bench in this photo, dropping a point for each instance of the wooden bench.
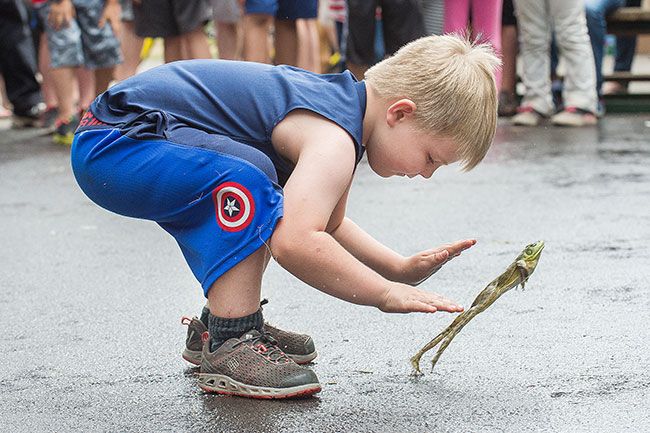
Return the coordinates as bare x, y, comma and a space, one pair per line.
629, 21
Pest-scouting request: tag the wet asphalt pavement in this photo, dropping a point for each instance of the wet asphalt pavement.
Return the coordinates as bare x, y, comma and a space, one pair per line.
90, 303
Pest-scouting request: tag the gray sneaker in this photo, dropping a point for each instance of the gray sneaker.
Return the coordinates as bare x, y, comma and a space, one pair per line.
299, 347
254, 366
573, 116
193, 343
526, 116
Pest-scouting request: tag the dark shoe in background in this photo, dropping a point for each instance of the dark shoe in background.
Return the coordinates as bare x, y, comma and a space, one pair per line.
508, 104
29, 118
48, 119
64, 131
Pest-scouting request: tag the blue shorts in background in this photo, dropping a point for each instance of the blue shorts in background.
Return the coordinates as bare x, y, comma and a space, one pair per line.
217, 197
283, 9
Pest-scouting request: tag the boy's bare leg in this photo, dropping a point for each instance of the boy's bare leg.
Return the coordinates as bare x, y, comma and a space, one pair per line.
256, 32
286, 42
237, 292
267, 258
197, 44
229, 41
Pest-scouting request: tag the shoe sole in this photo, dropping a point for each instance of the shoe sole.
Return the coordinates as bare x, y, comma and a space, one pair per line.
224, 385
194, 357
573, 124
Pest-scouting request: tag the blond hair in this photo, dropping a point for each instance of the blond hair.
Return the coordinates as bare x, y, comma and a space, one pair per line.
451, 81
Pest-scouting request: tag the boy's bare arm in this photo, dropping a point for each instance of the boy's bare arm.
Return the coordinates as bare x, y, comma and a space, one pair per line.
302, 245
390, 264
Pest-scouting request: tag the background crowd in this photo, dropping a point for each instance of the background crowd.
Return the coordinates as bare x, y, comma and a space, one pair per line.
57, 55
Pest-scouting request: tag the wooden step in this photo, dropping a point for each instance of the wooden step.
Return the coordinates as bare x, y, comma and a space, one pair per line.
626, 77
629, 21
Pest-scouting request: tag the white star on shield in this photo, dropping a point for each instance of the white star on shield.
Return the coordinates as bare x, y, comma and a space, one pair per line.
231, 206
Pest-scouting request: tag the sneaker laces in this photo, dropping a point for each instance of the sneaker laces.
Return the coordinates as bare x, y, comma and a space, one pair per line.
265, 344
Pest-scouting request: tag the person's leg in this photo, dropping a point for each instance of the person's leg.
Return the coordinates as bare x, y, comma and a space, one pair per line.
228, 191
573, 42
101, 47
256, 32
433, 14
596, 12
360, 53
87, 87
456, 16
173, 46
197, 44
103, 77
625, 49
18, 63
64, 81
227, 15
402, 23
237, 292
44, 67
308, 45
190, 18
229, 40
535, 38
509, 48
66, 55
131, 47
130, 43
286, 42
486, 24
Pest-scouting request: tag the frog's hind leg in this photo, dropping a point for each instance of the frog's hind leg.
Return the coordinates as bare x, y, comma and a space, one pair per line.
415, 360
451, 332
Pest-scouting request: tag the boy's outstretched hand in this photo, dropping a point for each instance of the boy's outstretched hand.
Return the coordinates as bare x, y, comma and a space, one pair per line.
417, 268
402, 298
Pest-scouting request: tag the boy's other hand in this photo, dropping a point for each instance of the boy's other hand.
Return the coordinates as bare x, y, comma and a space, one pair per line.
402, 298
61, 14
417, 268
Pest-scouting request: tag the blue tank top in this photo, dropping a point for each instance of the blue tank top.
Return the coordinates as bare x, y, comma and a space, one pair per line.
241, 100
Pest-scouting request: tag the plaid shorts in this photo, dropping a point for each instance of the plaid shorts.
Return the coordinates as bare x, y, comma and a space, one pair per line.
82, 43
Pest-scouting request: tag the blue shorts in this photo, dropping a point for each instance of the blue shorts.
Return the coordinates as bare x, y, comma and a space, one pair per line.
283, 9
217, 197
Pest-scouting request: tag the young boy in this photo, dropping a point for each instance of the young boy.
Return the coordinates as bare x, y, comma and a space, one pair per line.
243, 161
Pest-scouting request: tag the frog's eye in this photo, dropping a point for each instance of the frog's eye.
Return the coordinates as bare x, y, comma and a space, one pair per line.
529, 251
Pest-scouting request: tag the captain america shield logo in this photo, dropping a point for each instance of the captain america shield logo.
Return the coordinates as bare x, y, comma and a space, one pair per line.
234, 206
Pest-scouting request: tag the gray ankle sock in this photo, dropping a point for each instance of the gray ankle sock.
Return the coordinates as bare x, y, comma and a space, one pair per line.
222, 329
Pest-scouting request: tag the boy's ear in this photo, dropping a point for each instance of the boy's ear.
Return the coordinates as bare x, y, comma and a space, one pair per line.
399, 111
